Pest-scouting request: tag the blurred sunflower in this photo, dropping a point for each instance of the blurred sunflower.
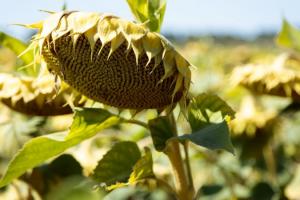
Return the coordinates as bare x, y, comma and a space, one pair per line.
37, 96
281, 78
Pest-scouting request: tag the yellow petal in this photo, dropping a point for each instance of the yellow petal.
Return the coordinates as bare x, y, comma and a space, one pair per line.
51, 23
37, 25
178, 85
80, 22
137, 49
92, 38
132, 31
107, 30
116, 43
182, 65
10, 87
152, 45
169, 63
61, 29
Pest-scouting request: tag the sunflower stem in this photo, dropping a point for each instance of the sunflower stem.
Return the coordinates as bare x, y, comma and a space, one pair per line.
181, 175
137, 122
188, 166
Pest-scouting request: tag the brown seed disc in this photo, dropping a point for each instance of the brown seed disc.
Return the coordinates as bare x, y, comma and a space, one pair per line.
31, 108
116, 81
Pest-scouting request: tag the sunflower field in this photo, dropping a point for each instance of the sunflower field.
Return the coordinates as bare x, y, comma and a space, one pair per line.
94, 106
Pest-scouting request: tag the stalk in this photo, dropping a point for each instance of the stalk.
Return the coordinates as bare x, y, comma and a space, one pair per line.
181, 175
188, 167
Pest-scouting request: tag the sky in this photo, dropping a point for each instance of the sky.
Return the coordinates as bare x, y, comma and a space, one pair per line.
237, 17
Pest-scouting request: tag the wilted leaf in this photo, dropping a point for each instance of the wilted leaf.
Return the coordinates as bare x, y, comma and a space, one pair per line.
214, 136
161, 130
87, 123
289, 36
117, 164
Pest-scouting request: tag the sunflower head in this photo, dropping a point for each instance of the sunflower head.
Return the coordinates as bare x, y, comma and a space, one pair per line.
113, 61
280, 78
37, 96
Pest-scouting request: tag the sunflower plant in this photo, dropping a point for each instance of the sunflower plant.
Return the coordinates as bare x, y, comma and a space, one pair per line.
121, 67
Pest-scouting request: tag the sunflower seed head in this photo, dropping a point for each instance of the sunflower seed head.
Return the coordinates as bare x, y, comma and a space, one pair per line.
36, 96
280, 78
114, 61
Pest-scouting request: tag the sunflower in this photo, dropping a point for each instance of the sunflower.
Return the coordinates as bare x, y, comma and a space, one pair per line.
281, 78
37, 96
113, 61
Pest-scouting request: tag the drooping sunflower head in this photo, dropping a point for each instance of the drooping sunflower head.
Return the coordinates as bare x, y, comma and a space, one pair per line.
113, 61
37, 96
280, 78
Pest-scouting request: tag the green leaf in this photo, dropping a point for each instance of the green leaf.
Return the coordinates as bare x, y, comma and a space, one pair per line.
207, 115
206, 109
289, 36
63, 166
143, 168
214, 136
117, 164
149, 11
17, 46
161, 130
87, 123
74, 188
44, 177
137, 193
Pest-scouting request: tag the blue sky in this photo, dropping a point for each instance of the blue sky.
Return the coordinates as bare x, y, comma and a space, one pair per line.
240, 17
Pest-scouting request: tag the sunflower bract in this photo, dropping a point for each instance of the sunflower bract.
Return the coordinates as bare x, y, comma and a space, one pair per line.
113, 61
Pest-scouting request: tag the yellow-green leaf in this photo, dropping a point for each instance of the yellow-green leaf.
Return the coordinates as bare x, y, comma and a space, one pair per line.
289, 36
143, 168
150, 12
87, 123
17, 46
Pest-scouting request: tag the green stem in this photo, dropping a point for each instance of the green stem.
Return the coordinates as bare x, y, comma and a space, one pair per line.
182, 179
270, 163
137, 122
188, 166
181, 168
